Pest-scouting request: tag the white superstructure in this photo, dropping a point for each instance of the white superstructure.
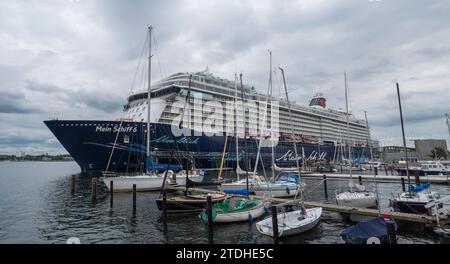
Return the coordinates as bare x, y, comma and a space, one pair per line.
212, 109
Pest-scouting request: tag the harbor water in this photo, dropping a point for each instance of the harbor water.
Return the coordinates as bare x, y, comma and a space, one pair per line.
36, 206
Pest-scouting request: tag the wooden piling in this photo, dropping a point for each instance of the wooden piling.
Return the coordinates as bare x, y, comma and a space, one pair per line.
403, 184
325, 188
111, 196
164, 204
73, 181
94, 189
276, 239
134, 199
391, 235
210, 219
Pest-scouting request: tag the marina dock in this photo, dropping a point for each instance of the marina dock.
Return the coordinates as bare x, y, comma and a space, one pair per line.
331, 207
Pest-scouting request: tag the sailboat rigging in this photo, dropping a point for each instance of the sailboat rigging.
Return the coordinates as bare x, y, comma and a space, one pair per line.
415, 199
151, 179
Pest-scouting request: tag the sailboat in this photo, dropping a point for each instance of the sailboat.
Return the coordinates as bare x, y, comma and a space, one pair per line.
357, 196
417, 197
297, 221
278, 187
152, 179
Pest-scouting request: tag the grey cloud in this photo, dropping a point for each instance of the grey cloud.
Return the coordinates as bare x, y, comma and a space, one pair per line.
90, 98
14, 103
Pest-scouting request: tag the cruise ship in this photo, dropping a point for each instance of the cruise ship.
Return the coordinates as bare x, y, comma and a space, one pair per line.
216, 112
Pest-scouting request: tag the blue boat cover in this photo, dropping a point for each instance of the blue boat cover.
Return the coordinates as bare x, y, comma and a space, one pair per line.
159, 166
419, 188
359, 233
239, 192
287, 177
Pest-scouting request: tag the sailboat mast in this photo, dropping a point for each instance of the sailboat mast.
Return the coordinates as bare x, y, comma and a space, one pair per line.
348, 131
292, 123
236, 126
271, 116
369, 142
247, 165
447, 118
403, 135
150, 28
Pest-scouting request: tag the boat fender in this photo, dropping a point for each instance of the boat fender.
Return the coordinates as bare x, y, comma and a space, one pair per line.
287, 190
250, 218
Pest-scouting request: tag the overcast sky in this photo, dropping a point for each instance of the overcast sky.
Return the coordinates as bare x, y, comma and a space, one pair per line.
76, 59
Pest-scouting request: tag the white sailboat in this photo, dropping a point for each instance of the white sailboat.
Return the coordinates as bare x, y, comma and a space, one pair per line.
415, 199
151, 180
291, 223
259, 184
357, 196
294, 222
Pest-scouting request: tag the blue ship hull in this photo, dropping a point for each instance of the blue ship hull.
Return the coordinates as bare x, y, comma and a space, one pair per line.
95, 144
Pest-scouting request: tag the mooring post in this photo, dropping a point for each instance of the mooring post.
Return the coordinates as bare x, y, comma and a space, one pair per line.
376, 170
325, 188
210, 219
164, 211
360, 179
391, 235
94, 189
111, 190
164, 202
72, 189
276, 239
403, 184
134, 199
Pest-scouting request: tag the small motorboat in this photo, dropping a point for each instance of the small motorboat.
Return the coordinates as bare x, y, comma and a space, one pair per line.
236, 209
291, 223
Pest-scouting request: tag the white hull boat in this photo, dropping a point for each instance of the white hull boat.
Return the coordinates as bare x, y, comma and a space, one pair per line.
196, 176
362, 199
262, 188
143, 182
254, 213
291, 223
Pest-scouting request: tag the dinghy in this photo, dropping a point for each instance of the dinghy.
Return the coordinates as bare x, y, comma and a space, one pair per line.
189, 203
291, 223
236, 209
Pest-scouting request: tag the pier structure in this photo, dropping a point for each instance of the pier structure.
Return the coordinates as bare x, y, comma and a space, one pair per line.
331, 207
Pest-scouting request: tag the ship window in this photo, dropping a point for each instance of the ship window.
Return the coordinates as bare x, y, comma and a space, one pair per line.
126, 139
